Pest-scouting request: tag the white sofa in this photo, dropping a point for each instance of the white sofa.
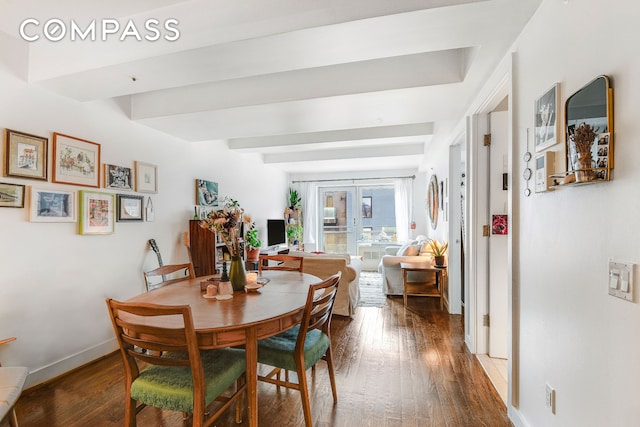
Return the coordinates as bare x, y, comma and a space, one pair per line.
389, 267
325, 265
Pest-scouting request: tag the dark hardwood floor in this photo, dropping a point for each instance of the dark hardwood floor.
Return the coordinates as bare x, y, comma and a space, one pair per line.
394, 367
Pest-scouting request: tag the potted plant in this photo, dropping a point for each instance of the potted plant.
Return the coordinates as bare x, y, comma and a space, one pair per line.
251, 240
294, 199
438, 250
583, 138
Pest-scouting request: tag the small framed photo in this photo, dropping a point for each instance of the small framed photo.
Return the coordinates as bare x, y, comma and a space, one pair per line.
129, 208
118, 177
11, 195
146, 178
75, 161
26, 155
52, 205
206, 193
500, 224
547, 118
96, 212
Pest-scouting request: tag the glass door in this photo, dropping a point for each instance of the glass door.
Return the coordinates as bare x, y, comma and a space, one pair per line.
338, 220
358, 220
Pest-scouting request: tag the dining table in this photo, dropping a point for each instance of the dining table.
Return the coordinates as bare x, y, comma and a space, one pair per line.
240, 321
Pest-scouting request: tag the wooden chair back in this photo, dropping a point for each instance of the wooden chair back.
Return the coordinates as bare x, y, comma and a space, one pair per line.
286, 262
140, 342
169, 274
318, 309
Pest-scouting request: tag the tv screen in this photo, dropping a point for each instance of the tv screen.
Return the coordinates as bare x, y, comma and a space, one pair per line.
276, 234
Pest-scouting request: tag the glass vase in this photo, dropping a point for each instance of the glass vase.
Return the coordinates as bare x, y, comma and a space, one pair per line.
237, 275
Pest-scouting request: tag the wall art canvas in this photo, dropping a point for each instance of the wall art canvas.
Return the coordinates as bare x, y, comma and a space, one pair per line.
49, 205
500, 224
118, 177
96, 212
146, 178
547, 120
129, 208
25, 155
75, 161
206, 193
11, 195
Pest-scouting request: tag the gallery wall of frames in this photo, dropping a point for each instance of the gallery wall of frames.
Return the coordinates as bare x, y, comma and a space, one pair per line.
110, 194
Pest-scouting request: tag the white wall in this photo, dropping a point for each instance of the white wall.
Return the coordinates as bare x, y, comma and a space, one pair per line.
54, 281
572, 335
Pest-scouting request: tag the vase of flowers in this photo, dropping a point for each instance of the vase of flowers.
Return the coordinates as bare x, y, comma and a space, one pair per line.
227, 223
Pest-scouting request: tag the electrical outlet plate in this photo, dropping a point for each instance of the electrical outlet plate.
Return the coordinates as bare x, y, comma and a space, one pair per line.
550, 398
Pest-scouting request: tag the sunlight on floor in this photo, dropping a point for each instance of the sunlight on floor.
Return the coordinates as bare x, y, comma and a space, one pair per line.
496, 370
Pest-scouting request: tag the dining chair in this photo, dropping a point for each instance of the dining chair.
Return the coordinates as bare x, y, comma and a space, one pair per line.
12, 380
170, 372
301, 347
285, 262
169, 274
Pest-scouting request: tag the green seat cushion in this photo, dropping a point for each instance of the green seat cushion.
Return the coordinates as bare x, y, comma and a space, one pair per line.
278, 350
171, 387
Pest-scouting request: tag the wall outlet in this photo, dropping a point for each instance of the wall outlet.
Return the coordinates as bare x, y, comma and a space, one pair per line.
550, 398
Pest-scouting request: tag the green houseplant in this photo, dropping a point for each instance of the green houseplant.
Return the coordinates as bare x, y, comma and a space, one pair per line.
294, 199
251, 240
438, 250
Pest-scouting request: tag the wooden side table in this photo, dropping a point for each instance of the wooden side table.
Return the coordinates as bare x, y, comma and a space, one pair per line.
424, 288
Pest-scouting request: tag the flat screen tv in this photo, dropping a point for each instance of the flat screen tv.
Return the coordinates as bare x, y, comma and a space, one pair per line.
276, 234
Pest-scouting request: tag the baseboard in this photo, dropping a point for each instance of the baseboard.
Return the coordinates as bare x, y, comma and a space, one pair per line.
70, 362
516, 418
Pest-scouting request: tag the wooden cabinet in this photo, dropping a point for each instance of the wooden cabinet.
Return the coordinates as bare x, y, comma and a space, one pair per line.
203, 249
207, 252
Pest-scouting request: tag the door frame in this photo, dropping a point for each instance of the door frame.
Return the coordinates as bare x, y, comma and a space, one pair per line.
476, 279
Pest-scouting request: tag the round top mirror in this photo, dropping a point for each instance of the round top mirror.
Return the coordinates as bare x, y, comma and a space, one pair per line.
432, 201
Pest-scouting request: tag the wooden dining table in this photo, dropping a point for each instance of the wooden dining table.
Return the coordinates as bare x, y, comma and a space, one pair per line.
242, 320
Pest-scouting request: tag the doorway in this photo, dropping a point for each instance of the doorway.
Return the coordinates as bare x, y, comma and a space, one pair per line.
358, 220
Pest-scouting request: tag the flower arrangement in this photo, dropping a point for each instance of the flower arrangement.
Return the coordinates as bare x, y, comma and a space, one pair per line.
583, 137
227, 223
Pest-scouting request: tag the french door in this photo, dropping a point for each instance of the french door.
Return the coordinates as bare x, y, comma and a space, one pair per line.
338, 222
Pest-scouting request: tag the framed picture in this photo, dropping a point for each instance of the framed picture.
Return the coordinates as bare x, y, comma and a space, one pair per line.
11, 195
118, 177
499, 224
52, 205
367, 207
206, 193
96, 212
146, 178
25, 155
129, 208
75, 161
547, 120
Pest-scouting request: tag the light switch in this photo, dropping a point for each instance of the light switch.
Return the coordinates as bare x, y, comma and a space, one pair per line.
624, 281
621, 279
613, 279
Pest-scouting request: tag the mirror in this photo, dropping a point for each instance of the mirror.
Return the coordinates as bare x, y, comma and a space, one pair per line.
592, 105
432, 201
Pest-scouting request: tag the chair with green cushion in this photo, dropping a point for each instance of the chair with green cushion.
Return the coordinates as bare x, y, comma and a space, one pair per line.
177, 375
299, 348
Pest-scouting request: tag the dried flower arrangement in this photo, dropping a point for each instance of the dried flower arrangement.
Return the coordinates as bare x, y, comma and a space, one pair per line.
583, 137
227, 223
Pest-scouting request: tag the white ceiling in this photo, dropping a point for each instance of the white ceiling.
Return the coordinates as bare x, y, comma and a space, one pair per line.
331, 85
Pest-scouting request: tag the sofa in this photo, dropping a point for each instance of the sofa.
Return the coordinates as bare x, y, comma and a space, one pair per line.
324, 265
389, 266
